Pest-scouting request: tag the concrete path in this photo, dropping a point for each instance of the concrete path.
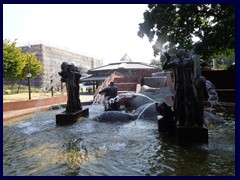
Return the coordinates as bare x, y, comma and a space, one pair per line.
8, 115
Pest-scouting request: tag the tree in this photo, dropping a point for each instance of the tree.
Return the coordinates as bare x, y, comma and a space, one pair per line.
224, 60
31, 65
177, 24
13, 61
17, 65
156, 63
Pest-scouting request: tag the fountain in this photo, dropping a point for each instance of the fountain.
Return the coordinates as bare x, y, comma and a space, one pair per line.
70, 74
37, 147
131, 146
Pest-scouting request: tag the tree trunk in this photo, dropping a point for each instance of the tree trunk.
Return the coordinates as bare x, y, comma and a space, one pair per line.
18, 88
12, 86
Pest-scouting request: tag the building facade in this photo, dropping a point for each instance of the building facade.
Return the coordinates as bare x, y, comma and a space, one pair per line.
51, 59
131, 72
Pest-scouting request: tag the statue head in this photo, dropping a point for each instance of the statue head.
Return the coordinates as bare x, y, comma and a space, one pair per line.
181, 53
72, 67
64, 65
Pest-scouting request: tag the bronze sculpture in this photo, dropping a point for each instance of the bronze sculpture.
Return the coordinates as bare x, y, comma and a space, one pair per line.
188, 86
71, 75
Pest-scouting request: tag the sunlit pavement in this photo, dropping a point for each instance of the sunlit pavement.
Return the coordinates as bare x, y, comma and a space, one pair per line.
7, 115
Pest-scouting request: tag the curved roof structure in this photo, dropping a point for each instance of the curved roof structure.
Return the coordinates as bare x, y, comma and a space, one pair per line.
123, 65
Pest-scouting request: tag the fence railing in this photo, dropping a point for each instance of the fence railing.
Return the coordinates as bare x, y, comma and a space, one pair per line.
98, 98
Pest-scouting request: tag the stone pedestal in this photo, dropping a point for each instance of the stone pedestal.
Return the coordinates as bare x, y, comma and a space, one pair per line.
65, 119
191, 135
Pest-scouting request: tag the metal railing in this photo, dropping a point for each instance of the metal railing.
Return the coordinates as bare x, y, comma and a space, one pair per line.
98, 98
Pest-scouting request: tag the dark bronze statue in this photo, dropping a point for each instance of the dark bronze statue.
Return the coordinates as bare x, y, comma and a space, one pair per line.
70, 74
188, 86
110, 93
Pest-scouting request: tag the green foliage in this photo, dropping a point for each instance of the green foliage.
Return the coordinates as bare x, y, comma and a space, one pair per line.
156, 63
213, 24
32, 65
13, 62
225, 59
16, 65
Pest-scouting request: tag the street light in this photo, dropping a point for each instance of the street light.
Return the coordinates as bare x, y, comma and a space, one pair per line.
29, 75
51, 81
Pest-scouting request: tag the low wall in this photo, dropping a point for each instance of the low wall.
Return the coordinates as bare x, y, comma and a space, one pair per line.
155, 82
224, 79
9, 106
126, 86
224, 82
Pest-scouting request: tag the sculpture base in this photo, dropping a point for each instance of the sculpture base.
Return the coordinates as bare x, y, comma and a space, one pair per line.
191, 135
65, 119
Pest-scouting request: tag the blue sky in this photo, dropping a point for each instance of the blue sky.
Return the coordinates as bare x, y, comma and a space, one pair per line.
103, 31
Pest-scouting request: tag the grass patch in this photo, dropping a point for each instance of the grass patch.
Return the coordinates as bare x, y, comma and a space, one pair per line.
13, 89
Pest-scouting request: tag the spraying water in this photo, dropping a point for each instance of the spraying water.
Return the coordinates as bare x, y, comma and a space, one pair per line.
140, 94
129, 95
50, 84
212, 94
140, 114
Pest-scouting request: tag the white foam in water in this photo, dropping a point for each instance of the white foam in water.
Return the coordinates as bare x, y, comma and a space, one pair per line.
26, 124
117, 146
47, 122
30, 130
33, 126
85, 128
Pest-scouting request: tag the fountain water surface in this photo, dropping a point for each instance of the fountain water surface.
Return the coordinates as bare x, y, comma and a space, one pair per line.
36, 146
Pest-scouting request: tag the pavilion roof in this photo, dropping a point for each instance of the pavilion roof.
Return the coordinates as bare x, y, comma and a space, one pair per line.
123, 65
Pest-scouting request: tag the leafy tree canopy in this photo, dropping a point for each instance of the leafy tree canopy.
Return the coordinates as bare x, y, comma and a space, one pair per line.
16, 65
177, 24
32, 65
156, 63
13, 62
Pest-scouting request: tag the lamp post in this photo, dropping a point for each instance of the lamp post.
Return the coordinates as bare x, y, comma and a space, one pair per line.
29, 75
52, 86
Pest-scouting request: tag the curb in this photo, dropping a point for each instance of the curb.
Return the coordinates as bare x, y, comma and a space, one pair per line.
8, 115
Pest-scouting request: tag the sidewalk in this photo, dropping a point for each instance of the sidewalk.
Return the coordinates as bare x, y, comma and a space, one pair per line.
8, 115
